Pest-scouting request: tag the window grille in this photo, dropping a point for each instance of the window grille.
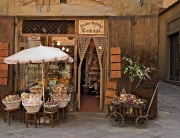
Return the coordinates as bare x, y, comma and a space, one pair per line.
48, 26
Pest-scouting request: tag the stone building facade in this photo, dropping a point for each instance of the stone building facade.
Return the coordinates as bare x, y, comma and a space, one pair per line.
77, 7
169, 42
133, 28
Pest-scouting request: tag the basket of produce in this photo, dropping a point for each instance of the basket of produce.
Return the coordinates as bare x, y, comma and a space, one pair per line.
51, 105
64, 100
12, 101
34, 107
63, 103
36, 89
31, 101
59, 88
56, 90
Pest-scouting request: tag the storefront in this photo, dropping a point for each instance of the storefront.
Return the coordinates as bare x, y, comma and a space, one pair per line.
84, 39
85, 36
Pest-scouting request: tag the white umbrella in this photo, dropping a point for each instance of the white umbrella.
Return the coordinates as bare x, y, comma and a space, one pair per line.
38, 54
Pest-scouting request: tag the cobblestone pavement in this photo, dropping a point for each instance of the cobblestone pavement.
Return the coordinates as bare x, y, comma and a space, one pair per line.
167, 125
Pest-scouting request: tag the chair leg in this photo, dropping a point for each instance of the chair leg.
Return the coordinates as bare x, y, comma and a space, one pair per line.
58, 116
44, 114
52, 120
26, 116
63, 115
39, 118
20, 113
8, 117
35, 119
5, 115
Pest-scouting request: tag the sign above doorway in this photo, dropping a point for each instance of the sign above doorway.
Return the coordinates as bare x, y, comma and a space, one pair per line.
91, 26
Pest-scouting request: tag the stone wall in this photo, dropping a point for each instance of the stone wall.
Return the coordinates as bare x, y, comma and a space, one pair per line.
165, 3
78, 7
166, 17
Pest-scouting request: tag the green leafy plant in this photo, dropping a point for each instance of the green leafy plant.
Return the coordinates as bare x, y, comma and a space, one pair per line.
136, 70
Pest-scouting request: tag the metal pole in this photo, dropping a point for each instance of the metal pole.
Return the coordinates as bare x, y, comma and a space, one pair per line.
43, 84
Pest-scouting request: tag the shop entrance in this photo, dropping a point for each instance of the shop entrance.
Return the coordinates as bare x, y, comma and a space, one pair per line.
90, 80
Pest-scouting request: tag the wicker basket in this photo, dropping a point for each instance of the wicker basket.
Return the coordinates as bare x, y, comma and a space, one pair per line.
51, 105
56, 90
12, 105
51, 108
35, 90
62, 103
32, 109
64, 90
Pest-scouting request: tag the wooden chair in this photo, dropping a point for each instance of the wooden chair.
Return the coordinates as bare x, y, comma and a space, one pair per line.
52, 116
8, 113
31, 117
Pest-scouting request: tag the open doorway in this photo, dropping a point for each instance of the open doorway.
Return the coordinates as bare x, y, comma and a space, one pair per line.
90, 80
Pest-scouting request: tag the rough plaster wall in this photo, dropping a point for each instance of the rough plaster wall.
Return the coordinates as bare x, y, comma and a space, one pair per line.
82, 7
163, 39
167, 3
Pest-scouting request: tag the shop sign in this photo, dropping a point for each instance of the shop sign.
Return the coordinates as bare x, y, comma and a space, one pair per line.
91, 26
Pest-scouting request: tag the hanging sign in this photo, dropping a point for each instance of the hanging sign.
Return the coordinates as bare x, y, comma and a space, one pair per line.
91, 26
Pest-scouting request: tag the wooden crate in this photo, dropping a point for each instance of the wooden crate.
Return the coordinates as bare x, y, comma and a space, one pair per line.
111, 85
115, 50
4, 53
3, 81
3, 73
4, 46
1, 59
135, 111
115, 66
107, 101
115, 74
3, 66
115, 58
110, 93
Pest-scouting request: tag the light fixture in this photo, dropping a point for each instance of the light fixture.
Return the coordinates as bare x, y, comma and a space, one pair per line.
100, 47
67, 50
63, 48
58, 43
141, 2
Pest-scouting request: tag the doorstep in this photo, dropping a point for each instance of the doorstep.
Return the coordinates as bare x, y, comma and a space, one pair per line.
79, 115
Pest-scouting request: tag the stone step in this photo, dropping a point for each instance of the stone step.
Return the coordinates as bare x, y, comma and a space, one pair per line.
79, 115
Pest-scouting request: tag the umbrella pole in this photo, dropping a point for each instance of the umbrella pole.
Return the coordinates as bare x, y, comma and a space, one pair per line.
43, 85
